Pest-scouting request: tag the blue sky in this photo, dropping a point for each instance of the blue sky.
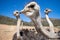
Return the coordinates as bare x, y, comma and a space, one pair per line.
8, 6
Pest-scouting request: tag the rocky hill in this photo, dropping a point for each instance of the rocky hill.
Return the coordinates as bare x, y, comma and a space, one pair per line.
12, 21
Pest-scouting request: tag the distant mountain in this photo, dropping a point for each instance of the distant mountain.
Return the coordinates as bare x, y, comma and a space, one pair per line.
56, 22
7, 20
12, 21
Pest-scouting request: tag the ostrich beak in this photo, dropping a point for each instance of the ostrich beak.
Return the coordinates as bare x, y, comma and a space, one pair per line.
24, 11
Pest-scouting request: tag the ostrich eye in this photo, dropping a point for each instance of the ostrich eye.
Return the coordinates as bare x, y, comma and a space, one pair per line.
31, 6
16, 12
46, 10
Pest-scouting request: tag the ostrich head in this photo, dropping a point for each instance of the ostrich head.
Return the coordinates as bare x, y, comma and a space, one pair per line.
47, 10
31, 10
16, 13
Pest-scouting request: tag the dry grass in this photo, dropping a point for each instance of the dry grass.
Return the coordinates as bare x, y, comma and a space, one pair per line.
7, 31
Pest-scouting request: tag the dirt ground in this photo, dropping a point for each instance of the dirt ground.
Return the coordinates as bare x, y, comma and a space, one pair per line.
7, 31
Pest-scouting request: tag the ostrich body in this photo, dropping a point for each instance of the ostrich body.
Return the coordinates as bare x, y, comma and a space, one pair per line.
31, 10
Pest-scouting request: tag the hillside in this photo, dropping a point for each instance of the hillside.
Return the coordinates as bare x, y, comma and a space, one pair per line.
56, 22
7, 20
11, 21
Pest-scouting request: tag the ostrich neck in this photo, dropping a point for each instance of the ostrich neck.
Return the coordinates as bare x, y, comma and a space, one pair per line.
48, 20
19, 37
50, 24
18, 25
40, 29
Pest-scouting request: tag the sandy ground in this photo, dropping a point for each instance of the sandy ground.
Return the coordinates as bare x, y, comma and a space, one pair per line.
7, 31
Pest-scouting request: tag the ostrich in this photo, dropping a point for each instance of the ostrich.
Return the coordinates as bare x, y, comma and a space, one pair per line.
31, 10
16, 13
48, 20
